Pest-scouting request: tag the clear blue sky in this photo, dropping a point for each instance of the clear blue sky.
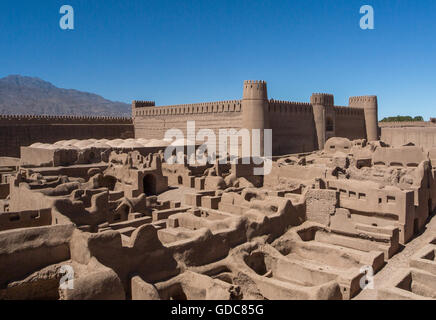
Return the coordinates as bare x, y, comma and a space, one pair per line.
192, 51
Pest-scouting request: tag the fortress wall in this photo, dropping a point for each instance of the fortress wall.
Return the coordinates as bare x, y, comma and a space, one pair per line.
421, 133
350, 123
401, 124
17, 131
293, 127
292, 123
421, 136
153, 122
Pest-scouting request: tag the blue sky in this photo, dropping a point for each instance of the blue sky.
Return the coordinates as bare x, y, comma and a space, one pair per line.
191, 51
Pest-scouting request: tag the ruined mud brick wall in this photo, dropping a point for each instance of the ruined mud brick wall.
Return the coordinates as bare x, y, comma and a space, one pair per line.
16, 131
421, 133
296, 126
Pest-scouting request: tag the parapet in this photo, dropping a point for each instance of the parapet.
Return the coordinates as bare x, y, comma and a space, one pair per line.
402, 124
324, 99
348, 111
361, 101
193, 108
255, 90
142, 104
289, 106
44, 119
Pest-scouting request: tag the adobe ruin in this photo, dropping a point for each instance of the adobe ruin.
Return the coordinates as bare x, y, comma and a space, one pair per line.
121, 222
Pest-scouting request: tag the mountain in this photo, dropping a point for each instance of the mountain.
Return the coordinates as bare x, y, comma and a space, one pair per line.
28, 95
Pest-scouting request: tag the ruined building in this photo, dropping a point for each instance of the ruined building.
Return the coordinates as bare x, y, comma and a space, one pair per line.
117, 220
351, 217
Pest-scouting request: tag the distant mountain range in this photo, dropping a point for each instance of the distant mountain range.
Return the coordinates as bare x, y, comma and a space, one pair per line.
33, 96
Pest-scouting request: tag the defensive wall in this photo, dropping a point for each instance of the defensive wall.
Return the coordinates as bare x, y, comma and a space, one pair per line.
24, 130
296, 126
152, 123
420, 133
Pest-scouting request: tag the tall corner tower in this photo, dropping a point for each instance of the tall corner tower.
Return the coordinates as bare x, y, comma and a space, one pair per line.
370, 106
255, 108
324, 117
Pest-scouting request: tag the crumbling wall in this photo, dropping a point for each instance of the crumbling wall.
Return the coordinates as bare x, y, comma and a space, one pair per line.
24, 251
320, 205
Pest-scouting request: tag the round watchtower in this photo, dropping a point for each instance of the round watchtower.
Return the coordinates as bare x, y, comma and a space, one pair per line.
255, 109
320, 103
370, 107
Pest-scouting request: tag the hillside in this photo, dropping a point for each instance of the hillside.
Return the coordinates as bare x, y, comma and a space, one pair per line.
28, 95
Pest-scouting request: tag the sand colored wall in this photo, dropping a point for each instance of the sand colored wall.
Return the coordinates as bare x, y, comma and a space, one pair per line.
396, 134
293, 127
153, 122
25, 219
255, 110
368, 202
296, 126
38, 247
369, 104
16, 131
350, 123
292, 123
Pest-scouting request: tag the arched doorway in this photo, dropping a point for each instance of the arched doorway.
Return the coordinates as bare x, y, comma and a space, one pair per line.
149, 183
180, 180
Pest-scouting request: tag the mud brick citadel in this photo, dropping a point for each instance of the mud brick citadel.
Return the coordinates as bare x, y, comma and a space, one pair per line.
296, 126
342, 214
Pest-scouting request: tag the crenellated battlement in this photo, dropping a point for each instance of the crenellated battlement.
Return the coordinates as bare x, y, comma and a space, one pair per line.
362, 100
255, 90
193, 108
399, 124
142, 104
324, 99
68, 119
254, 82
348, 111
289, 106
295, 103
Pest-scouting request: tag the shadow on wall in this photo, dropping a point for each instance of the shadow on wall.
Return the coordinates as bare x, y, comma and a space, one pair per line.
149, 183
